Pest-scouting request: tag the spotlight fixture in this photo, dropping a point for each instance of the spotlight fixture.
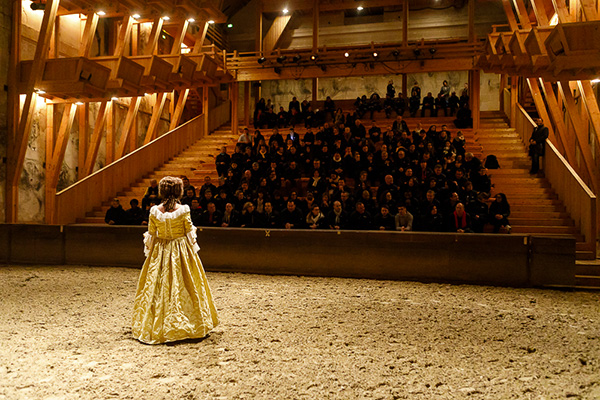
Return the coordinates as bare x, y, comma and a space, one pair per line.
417, 52
230, 25
262, 60
40, 91
79, 103
101, 13
37, 6
166, 17
395, 53
297, 58
285, 11
375, 54
594, 81
210, 21
314, 56
432, 50
346, 54
281, 59
136, 16
190, 20
359, 8
114, 98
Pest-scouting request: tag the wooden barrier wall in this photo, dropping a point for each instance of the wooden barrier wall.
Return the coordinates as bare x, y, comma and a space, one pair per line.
81, 197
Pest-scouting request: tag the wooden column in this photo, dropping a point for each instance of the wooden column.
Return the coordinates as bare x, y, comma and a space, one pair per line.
514, 93
155, 119
591, 105
83, 113
110, 134
405, 9
94, 146
259, 27
87, 39
510, 15
315, 89
234, 106
471, 21
54, 164
127, 127
205, 110
405, 86
541, 15
475, 89
315, 33
522, 14
20, 128
200, 39
154, 35
246, 103
178, 112
503, 84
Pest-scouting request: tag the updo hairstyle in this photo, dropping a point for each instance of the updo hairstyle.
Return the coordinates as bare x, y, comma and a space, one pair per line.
170, 190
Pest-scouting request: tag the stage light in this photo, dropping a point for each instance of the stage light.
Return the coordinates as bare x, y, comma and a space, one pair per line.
79, 103
101, 13
432, 50
297, 58
417, 52
360, 8
114, 98
346, 54
136, 16
261, 60
230, 26
375, 54
190, 20
37, 6
210, 21
285, 11
166, 17
40, 91
395, 53
281, 59
314, 56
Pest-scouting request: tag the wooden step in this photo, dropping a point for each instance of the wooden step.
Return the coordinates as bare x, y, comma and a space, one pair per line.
587, 282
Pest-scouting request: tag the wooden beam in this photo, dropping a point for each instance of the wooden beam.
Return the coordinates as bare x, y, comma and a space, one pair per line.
591, 105
589, 10
514, 99
510, 15
178, 40
200, 39
471, 21
155, 119
247, 103
21, 127
475, 89
94, 145
176, 117
259, 27
234, 94
405, 9
540, 106
50, 130
522, 14
154, 35
315, 30
274, 33
561, 9
580, 132
89, 32
205, 105
83, 119
541, 15
271, 6
127, 126
110, 134
124, 35
54, 165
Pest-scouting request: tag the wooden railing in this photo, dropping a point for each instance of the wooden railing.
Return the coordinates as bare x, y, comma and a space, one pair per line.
578, 199
76, 200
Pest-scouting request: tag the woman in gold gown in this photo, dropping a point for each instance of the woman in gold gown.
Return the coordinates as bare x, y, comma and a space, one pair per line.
173, 299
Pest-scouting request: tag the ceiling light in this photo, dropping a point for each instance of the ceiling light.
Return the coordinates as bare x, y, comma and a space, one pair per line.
230, 26
360, 8
37, 6
114, 98
375, 54
417, 52
190, 20
314, 56
166, 17
79, 103
210, 21
101, 13
346, 54
285, 11
136, 16
395, 53
597, 80
40, 91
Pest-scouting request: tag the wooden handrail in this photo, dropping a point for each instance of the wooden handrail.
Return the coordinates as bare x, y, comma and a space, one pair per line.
577, 197
83, 196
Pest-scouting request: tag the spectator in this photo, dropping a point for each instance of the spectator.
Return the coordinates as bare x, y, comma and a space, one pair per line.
211, 216
291, 217
479, 212
499, 212
223, 161
230, 217
459, 221
249, 217
384, 221
337, 218
115, 215
432, 221
361, 219
196, 212
135, 215
404, 219
269, 218
537, 145
151, 193
315, 219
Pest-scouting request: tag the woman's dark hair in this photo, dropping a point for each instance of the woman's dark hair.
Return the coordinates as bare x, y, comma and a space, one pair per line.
170, 189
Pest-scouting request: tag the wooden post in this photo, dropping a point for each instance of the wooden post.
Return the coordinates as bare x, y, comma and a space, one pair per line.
591, 105
205, 92
503, 84
259, 27
514, 93
155, 119
405, 24
110, 134
200, 39
83, 119
154, 35
541, 15
510, 15
246, 103
176, 117
21, 127
522, 14
471, 21
315, 33
234, 106
176, 49
315, 88
87, 39
127, 126
94, 146
405, 86
475, 89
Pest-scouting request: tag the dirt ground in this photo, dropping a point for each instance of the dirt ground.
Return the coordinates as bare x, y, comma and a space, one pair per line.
65, 334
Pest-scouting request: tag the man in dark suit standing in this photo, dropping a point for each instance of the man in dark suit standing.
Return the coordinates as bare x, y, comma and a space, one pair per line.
537, 145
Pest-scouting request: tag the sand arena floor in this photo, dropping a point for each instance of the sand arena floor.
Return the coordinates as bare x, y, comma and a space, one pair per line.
65, 334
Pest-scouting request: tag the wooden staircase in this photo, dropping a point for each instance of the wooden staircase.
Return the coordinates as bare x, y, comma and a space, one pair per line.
535, 207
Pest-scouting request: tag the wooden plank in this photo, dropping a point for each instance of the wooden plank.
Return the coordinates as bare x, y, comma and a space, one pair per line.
87, 39
555, 112
123, 39
110, 134
247, 103
589, 10
580, 132
405, 9
315, 30
539, 10
155, 119
200, 39
83, 119
127, 126
176, 116
94, 146
274, 33
591, 106
271, 6
522, 14
563, 12
154, 35
475, 89
510, 15
234, 94
178, 39
50, 130
205, 105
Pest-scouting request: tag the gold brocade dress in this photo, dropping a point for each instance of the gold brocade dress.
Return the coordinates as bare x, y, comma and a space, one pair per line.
173, 299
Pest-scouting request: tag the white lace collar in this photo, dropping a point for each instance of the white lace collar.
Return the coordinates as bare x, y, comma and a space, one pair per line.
163, 216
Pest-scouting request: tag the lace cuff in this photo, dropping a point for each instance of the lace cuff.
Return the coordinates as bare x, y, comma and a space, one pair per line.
148, 242
191, 235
